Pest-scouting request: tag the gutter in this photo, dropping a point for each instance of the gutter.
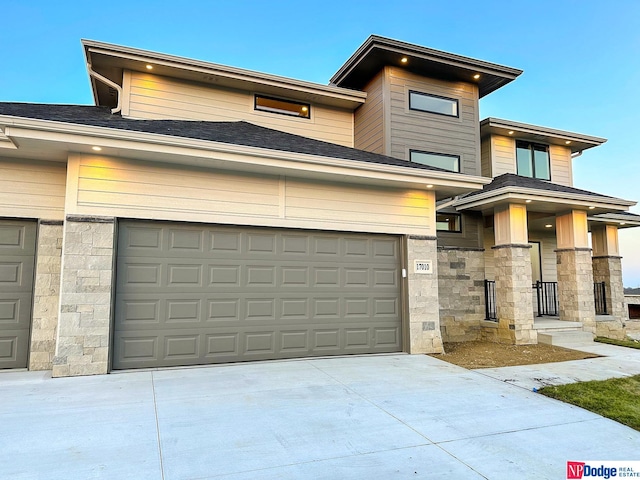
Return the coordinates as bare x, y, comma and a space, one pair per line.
111, 84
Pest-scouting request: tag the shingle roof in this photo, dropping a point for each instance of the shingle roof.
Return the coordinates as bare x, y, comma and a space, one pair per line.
512, 180
236, 133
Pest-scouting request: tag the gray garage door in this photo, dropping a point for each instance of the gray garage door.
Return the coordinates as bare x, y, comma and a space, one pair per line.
17, 256
192, 294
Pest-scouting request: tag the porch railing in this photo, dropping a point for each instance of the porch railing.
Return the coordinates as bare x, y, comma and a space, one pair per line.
547, 293
490, 300
600, 297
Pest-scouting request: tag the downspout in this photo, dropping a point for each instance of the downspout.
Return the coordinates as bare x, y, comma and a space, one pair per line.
108, 82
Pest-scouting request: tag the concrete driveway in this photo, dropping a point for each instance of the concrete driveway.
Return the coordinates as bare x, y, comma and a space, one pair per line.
390, 416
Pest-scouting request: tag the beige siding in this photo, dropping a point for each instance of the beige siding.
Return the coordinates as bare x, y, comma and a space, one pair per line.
561, 171
155, 97
503, 155
369, 118
32, 189
410, 129
116, 187
548, 246
485, 157
489, 259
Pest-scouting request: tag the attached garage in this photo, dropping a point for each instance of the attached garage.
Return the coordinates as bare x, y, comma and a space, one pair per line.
189, 294
17, 260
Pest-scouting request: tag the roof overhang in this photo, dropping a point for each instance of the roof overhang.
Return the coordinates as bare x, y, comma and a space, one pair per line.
377, 52
54, 141
577, 142
111, 60
542, 201
620, 220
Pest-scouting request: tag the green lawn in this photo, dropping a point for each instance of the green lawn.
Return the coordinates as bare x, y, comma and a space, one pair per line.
622, 343
616, 398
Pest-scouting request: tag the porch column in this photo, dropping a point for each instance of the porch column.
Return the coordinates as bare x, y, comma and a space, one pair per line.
514, 306
82, 347
422, 292
575, 273
607, 268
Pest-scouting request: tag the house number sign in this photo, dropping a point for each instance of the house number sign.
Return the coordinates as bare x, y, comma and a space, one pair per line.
423, 267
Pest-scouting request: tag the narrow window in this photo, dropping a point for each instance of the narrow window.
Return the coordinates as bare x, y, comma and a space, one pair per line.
439, 160
282, 107
433, 104
532, 160
448, 222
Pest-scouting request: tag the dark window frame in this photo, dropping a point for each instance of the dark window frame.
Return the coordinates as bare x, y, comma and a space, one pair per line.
525, 145
450, 155
457, 102
458, 215
258, 108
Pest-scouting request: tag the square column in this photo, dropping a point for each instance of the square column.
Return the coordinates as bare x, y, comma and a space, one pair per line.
514, 306
575, 272
82, 347
422, 295
46, 295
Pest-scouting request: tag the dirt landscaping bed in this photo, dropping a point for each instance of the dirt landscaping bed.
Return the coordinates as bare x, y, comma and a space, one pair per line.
473, 355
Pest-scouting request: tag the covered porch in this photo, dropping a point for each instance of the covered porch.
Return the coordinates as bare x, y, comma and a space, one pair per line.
541, 265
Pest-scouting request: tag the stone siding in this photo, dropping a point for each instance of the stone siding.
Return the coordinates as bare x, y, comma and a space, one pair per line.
46, 295
513, 296
575, 287
85, 299
609, 270
461, 293
422, 293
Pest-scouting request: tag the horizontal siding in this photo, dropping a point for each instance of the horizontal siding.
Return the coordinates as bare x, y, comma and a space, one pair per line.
561, 171
485, 157
471, 235
155, 97
548, 246
369, 118
489, 259
411, 129
32, 189
503, 155
144, 190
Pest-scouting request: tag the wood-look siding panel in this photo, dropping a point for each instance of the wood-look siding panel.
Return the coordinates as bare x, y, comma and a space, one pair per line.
410, 129
503, 155
369, 118
32, 189
146, 190
155, 97
485, 157
561, 167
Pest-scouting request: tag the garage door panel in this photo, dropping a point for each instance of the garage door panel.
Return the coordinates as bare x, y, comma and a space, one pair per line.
193, 294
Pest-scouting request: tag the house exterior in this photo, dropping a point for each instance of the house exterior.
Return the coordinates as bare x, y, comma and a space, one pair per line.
201, 213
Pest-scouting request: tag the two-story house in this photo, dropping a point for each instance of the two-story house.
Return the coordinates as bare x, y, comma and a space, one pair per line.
202, 213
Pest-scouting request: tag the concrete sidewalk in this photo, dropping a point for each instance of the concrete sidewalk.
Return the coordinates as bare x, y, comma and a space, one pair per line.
390, 416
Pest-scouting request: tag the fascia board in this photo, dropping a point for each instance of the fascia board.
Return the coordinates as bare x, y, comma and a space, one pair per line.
83, 135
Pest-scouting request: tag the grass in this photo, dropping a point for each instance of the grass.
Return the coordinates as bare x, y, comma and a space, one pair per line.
616, 398
622, 343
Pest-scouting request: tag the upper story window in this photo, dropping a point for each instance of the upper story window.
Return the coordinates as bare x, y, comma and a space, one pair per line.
532, 160
433, 103
282, 107
439, 160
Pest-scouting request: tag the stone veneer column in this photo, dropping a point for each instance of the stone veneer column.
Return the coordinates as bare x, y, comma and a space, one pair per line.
575, 287
46, 295
86, 295
609, 270
514, 306
422, 293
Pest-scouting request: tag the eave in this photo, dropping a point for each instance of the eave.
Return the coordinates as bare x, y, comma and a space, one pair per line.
111, 60
577, 142
377, 52
44, 139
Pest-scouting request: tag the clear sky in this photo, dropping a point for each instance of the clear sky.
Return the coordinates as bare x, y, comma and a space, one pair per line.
581, 59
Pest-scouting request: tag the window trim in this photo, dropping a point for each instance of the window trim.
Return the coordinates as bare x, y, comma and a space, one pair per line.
258, 108
450, 155
531, 147
457, 102
459, 215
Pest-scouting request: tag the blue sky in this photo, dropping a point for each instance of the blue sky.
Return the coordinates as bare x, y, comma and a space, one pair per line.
581, 59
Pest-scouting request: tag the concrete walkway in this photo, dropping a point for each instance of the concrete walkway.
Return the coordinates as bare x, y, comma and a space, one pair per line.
391, 416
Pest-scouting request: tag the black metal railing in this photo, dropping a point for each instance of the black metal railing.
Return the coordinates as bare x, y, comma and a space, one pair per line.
600, 297
490, 300
547, 293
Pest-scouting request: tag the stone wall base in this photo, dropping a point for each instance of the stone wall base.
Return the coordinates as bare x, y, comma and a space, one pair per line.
610, 327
